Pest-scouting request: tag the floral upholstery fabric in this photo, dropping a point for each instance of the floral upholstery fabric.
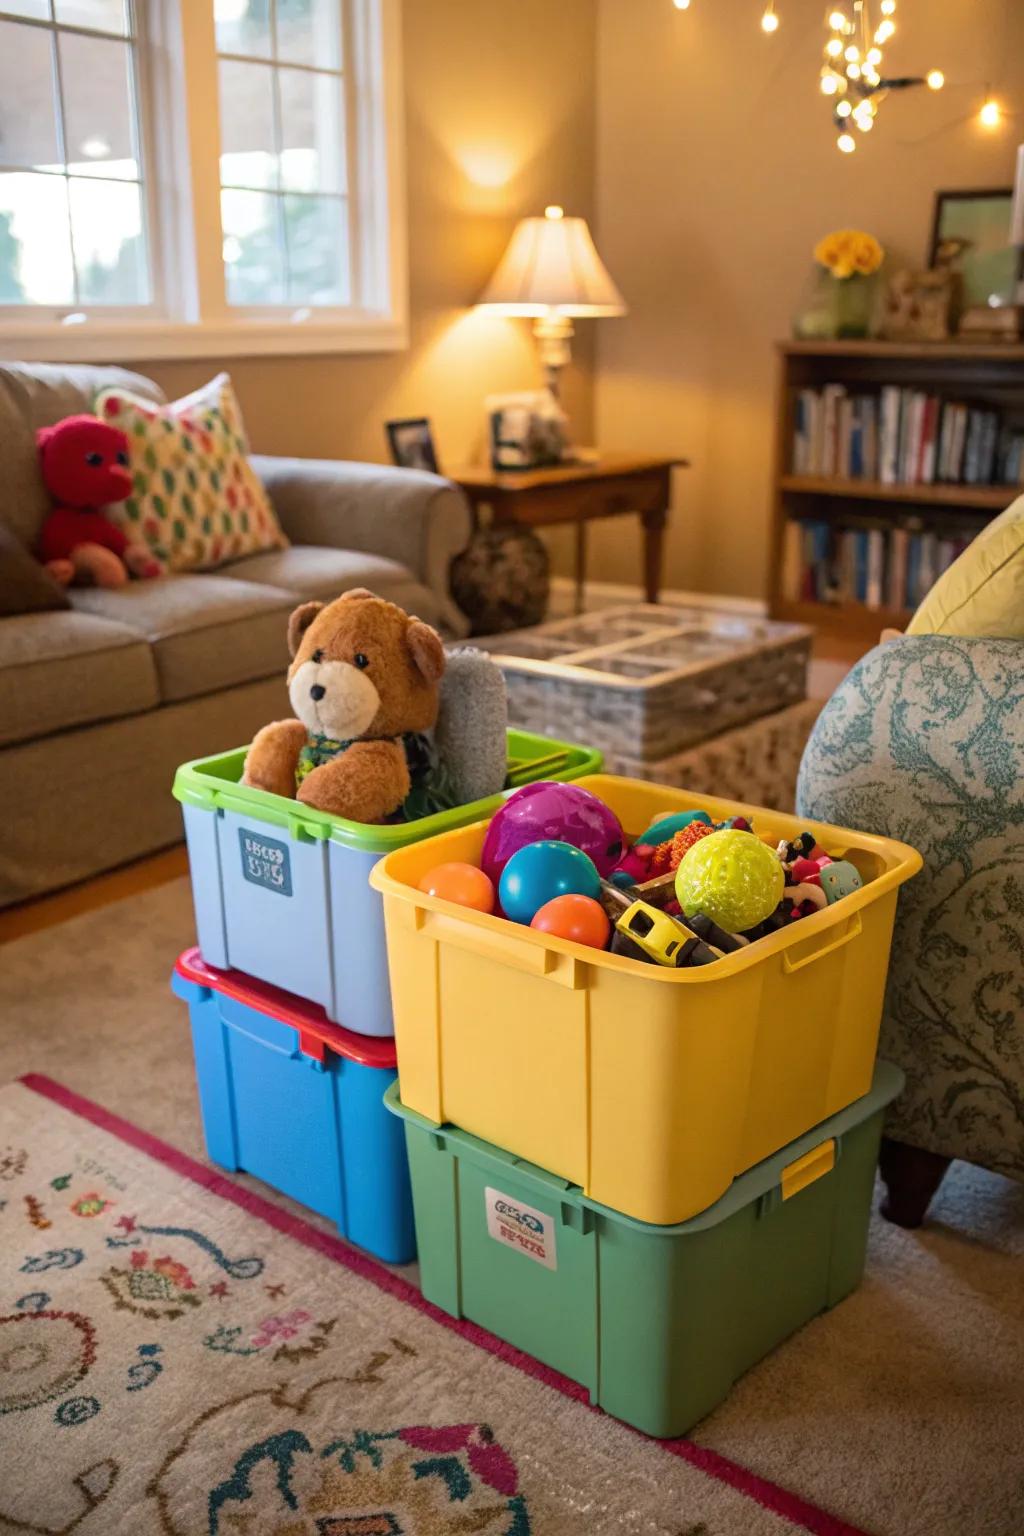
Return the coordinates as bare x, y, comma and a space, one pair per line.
924, 741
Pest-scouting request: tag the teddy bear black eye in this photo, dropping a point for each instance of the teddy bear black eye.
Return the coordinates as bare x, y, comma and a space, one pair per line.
362, 662
94, 458
122, 458
318, 655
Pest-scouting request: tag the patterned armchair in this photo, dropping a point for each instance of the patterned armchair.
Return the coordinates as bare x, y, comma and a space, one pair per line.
924, 741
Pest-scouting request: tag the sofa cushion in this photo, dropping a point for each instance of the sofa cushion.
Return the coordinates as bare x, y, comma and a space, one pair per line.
59, 670
981, 595
25, 587
196, 501
306, 571
38, 395
206, 632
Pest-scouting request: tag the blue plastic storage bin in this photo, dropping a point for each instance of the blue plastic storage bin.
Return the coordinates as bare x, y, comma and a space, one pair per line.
299, 1102
281, 891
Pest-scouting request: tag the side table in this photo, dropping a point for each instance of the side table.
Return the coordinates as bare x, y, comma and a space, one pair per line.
576, 493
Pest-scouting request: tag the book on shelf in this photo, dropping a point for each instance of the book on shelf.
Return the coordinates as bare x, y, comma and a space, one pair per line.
879, 565
902, 436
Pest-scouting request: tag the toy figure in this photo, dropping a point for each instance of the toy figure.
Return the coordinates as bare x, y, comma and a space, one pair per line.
84, 464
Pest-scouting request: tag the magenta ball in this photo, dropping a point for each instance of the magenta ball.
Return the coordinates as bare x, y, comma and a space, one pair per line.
546, 812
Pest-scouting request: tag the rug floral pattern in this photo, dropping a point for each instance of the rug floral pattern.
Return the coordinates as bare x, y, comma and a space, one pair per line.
170, 1365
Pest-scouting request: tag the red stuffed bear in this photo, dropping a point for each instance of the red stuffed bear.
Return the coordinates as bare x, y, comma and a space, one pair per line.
84, 464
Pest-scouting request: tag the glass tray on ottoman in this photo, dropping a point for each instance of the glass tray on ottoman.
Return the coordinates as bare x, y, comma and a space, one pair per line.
644, 682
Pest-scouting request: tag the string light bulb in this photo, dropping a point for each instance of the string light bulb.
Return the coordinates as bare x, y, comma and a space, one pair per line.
837, 21
843, 109
935, 79
888, 7
829, 85
847, 143
769, 21
990, 114
681, 5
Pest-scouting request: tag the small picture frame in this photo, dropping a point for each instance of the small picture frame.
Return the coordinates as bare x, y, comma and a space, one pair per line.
971, 238
412, 444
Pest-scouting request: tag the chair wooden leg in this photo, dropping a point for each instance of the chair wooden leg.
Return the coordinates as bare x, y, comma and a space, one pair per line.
911, 1176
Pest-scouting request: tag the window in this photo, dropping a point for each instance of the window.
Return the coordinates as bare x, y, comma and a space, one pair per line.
200, 177
283, 170
72, 186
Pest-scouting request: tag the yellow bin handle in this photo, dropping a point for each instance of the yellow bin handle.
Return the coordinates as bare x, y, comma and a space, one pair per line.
854, 928
503, 948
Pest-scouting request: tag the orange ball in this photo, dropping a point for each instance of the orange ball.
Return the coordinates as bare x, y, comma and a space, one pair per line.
579, 918
464, 884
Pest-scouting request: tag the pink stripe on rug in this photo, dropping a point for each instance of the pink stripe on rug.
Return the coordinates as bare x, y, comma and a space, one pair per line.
781, 1501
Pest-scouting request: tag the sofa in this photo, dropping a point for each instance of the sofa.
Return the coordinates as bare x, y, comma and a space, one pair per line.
101, 700
924, 741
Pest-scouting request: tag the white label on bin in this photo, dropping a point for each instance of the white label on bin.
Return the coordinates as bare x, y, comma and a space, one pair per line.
265, 861
521, 1227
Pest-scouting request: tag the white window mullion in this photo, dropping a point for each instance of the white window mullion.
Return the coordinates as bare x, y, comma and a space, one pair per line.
184, 65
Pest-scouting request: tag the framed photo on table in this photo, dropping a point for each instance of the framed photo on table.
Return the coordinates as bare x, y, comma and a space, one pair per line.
412, 444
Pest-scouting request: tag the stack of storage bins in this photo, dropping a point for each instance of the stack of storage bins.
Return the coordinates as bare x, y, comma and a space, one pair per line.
644, 1177
288, 990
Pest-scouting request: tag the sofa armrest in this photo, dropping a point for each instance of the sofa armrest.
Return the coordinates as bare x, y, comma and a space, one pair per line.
924, 741
418, 519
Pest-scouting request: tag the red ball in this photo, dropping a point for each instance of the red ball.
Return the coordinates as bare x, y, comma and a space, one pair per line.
463, 884
579, 918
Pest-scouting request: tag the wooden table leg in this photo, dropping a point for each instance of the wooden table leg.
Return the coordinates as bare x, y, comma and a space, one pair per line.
654, 531
581, 565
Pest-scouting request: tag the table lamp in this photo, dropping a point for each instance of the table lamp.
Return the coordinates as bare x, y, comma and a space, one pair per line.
551, 272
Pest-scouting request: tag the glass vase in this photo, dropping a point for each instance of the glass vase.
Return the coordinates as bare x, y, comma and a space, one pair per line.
836, 308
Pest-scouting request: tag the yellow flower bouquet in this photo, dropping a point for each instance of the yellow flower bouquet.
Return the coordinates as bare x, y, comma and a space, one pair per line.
841, 298
849, 253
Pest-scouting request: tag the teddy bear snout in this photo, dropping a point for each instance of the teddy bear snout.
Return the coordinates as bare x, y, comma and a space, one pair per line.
333, 698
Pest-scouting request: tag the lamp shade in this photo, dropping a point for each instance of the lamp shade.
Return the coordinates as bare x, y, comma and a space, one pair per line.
551, 264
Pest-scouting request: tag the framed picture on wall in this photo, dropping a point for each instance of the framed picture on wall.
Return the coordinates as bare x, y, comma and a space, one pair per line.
412, 444
971, 237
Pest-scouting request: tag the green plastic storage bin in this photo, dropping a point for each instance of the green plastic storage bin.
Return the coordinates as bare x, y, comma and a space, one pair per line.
656, 1322
281, 891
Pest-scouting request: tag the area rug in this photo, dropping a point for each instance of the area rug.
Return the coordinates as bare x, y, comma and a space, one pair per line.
898, 1413
177, 1355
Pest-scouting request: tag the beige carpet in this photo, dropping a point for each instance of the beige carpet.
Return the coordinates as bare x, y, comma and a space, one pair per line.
901, 1413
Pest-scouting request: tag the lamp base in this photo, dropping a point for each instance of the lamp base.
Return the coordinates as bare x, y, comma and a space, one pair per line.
554, 333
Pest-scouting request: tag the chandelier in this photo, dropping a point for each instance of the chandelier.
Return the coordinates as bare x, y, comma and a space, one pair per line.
853, 72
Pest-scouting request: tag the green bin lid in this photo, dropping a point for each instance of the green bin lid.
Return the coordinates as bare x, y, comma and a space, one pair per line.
762, 1179
214, 783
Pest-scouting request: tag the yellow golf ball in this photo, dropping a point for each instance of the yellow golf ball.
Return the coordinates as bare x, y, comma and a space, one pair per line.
732, 877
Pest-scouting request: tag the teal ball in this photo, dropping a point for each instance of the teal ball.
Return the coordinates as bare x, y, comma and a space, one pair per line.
541, 871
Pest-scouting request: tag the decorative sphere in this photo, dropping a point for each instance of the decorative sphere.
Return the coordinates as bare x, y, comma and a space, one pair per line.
464, 884
541, 871
579, 918
733, 878
546, 811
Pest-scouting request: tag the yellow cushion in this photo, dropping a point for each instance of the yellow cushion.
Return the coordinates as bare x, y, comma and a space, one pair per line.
982, 593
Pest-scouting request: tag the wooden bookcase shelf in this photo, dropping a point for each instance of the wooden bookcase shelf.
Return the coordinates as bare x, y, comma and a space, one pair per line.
986, 374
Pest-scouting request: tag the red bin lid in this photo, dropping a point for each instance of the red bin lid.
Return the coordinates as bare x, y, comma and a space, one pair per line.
316, 1032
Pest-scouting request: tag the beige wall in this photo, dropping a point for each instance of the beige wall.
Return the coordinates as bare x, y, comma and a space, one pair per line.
717, 171
499, 121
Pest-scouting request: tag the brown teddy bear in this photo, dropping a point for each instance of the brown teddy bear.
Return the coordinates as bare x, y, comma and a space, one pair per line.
364, 682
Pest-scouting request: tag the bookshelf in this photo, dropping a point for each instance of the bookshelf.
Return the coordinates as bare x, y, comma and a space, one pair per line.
987, 377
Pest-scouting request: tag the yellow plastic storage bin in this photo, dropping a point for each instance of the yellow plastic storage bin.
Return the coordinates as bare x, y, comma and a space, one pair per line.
651, 1088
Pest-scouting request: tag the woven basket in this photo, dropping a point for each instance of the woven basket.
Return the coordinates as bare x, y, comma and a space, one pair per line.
646, 682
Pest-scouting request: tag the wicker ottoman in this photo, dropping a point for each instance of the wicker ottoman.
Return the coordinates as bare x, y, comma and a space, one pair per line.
647, 685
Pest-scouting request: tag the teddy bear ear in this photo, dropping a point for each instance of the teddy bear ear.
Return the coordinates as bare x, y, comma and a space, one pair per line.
298, 622
427, 650
43, 435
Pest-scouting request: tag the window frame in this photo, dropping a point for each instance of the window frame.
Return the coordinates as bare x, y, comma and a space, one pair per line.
190, 317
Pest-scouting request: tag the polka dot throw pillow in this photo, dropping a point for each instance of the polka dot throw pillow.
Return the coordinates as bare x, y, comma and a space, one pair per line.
196, 500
